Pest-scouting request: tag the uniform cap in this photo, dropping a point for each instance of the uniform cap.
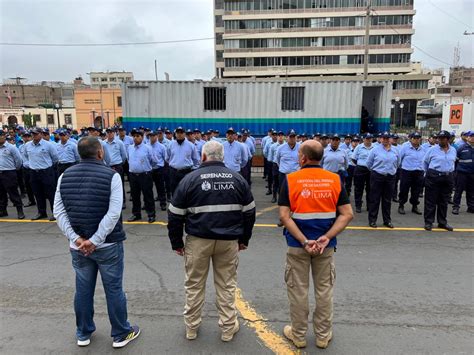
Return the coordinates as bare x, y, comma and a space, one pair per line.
348, 136
335, 136
368, 136
135, 132
291, 132
197, 130
274, 133
356, 139
317, 134
229, 130
189, 131
245, 132
443, 134
324, 136
36, 130
159, 130
470, 133
303, 134
395, 136
179, 129
416, 135
385, 135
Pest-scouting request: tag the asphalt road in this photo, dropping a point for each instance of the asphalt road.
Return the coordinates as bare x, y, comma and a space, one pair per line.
400, 291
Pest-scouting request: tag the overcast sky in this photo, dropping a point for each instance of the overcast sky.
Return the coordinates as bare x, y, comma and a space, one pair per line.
112, 21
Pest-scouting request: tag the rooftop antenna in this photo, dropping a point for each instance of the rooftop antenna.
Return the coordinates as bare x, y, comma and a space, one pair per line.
457, 55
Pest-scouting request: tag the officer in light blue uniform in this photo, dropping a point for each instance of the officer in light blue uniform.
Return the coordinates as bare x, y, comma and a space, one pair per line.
274, 170
157, 173
42, 155
141, 159
432, 141
235, 153
247, 171
438, 165
95, 132
350, 170
411, 173
10, 162
287, 156
336, 159
166, 170
198, 142
26, 170
67, 152
346, 145
383, 162
266, 166
362, 172
117, 154
465, 173
266, 154
183, 158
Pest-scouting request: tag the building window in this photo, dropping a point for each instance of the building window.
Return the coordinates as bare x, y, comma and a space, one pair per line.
119, 101
67, 118
112, 79
36, 118
219, 22
292, 98
214, 98
50, 118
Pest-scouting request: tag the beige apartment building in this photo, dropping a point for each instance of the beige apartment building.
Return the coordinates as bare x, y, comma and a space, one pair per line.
311, 37
109, 80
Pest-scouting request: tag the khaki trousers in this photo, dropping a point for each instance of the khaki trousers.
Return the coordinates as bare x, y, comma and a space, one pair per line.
298, 265
224, 256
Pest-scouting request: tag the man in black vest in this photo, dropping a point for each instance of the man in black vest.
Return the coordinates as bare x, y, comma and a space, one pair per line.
93, 225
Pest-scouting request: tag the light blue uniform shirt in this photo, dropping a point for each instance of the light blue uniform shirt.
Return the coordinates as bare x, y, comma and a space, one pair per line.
116, 151
67, 153
350, 154
287, 158
235, 155
251, 146
41, 155
265, 140
161, 155
23, 157
412, 158
272, 151
344, 146
383, 161
183, 156
266, 148
167, 142
127, 140
439, 160
140, 158
10, 157
335, 160
427, 146
361, 154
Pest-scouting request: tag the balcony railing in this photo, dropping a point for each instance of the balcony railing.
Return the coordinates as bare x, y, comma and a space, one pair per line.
316, 10
289, 68
314, 29
316, 48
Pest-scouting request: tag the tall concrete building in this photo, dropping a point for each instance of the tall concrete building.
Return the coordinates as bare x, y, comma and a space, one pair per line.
109, 80
311, 37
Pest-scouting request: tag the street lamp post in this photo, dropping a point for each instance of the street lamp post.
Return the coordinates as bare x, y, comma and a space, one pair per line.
56, 106
401, 114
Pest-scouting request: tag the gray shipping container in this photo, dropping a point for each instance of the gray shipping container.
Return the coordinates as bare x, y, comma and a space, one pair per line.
306, 106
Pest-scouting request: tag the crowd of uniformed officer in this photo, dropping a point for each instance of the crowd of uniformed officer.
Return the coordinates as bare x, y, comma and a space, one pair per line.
32, 160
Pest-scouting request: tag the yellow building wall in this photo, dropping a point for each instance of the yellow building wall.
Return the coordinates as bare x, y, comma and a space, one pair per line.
89, 110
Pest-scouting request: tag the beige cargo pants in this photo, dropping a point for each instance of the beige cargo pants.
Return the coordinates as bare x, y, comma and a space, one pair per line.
299, 264
224, 255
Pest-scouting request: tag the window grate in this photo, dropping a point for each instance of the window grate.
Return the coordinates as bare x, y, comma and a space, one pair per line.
214, 98
292, 99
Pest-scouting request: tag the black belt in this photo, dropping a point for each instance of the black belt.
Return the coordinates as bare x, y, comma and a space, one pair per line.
41, 170
439, 173
114, 166
66, 163
6, 171
139, 174
185, 170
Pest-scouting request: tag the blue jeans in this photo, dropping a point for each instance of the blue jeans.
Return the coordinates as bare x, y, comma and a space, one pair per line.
109, 262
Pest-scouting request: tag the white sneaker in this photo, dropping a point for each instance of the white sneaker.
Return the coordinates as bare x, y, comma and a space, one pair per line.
83, 342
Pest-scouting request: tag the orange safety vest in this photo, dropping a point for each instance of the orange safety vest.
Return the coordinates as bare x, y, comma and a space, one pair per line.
313, 194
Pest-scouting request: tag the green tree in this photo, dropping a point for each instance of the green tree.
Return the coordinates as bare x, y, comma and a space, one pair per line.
28, 120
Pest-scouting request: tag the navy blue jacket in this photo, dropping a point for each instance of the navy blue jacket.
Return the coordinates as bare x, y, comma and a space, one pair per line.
465, 159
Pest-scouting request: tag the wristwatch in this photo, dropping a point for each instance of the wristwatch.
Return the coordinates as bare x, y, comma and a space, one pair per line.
305, 243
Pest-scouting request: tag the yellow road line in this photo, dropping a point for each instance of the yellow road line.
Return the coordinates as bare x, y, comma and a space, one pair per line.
268, 209
260, 225
270, 338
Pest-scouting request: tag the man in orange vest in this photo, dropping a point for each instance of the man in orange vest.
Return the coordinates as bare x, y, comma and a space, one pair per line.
314, 208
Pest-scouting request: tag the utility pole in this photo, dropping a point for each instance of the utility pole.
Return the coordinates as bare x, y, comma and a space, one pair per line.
102, 121
156, 71
366, 41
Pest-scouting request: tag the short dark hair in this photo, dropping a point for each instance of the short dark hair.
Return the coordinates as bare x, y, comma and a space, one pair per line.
88, 147
312, 153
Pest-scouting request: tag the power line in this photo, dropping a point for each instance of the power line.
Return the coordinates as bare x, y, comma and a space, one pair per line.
449, 15
103, 44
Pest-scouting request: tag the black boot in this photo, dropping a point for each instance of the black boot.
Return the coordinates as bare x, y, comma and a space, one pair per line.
269, 192
274, 199
21, 215
401, 209
415, 210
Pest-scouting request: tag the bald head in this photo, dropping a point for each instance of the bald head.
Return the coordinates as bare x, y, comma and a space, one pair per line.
311, 152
